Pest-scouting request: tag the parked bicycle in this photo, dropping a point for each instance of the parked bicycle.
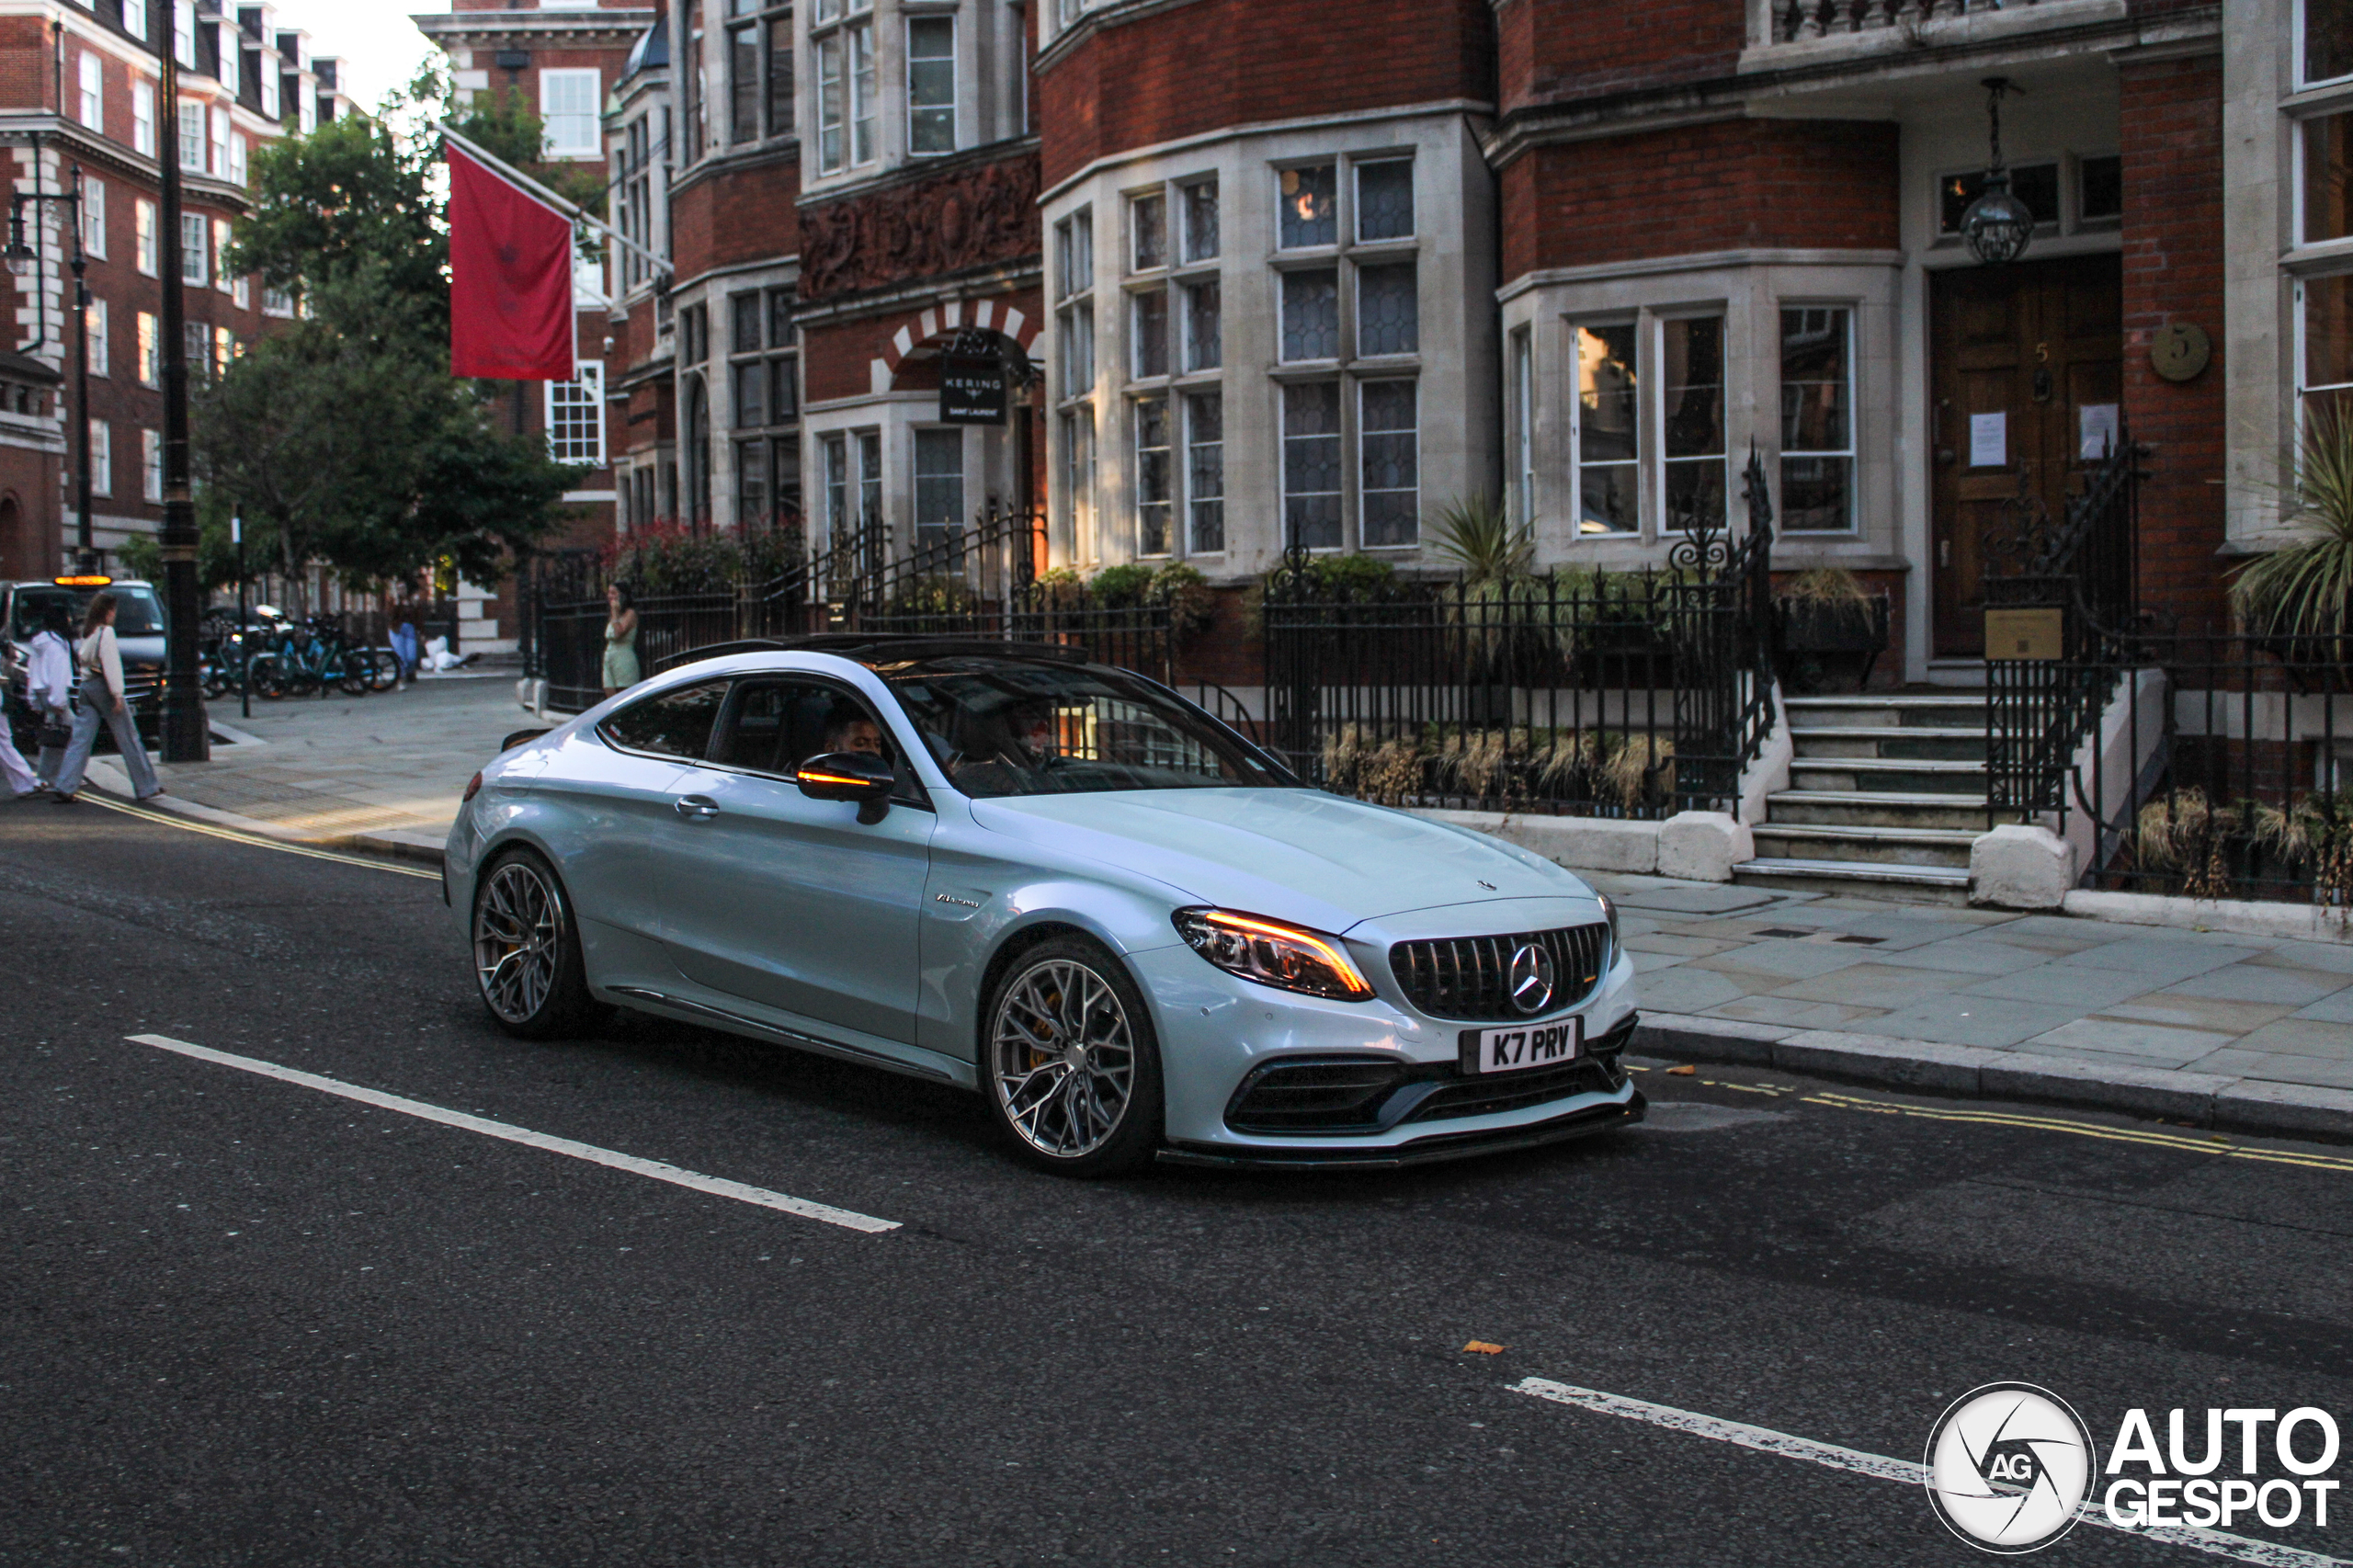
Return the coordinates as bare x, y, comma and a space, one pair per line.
314, 655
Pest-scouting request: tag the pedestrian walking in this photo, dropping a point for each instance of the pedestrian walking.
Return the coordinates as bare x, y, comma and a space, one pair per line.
99, 658
49, 686
21, 783
620, 641
404, 650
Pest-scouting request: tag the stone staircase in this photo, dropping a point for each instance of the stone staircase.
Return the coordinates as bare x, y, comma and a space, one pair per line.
1887, 793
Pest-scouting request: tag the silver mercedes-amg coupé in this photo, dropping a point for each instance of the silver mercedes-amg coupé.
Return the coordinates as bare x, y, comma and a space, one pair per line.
1131, 930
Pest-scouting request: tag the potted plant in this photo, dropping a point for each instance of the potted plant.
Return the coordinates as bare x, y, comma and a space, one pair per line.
2296, 600
1828, 611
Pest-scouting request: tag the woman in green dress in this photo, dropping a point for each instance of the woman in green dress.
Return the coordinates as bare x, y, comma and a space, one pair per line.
620, 641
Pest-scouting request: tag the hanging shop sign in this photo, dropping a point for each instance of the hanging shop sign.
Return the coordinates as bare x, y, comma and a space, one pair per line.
971, 390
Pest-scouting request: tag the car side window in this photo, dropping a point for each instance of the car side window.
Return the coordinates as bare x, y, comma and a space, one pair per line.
670, 724
776, 725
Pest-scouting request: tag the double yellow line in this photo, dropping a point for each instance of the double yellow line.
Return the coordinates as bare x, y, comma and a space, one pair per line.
168, 819
2186, 1142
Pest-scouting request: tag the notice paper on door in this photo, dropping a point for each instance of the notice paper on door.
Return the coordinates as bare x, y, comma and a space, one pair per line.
2097, 427
1989, 440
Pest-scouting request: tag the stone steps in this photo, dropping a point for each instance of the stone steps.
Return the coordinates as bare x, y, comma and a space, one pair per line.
1888, 794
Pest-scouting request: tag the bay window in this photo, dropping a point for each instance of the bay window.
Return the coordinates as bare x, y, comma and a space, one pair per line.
1692, 458
843, 42
1606, 432
1153, 476
1148, 316
1311, 314
1311, 465
1388, 308
1205, 472
1389, 462
931, 84
1818, 419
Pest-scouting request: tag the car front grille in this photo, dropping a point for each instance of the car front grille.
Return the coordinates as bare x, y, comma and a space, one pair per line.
1469, 978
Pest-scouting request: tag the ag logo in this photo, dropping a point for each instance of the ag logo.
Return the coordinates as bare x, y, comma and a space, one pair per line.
2009, 1466
1532, 979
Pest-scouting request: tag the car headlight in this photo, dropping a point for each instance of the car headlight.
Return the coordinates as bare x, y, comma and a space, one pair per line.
1290, 958
1610, 913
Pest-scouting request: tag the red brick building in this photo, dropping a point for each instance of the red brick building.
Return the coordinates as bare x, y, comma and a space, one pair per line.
1254, 282
78, 82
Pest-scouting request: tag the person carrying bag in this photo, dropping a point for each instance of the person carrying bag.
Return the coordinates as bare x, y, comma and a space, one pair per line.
99, 658
49, 686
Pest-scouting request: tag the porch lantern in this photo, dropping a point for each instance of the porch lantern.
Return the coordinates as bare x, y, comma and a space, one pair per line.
1997, 225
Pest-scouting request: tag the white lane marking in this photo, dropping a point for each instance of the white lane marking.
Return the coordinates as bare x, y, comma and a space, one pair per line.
1765, 1441
676, 1176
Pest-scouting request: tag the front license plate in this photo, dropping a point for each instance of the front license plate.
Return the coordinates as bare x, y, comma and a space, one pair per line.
1523, 1045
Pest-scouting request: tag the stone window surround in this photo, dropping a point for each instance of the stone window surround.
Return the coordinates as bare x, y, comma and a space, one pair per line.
1749, 288
1458, 364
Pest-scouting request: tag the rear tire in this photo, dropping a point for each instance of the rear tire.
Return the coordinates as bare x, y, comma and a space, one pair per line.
1070, 1066
527, 963
267, 679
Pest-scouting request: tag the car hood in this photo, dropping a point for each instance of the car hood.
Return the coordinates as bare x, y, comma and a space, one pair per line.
142, 650
1298, 855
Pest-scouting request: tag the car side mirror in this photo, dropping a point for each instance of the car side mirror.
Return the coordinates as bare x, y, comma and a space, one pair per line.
856, 775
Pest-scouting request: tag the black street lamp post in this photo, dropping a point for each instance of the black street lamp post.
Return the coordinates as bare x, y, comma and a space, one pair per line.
186, 738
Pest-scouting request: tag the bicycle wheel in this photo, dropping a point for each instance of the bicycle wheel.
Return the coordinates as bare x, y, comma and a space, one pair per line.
268, 679
385, 672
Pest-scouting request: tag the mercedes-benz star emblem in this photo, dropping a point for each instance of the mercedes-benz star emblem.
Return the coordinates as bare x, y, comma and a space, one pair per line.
1532, 979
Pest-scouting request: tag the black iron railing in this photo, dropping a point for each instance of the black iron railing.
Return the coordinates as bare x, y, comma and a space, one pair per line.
2226, 770
1632, 694
2079, 575
980, 582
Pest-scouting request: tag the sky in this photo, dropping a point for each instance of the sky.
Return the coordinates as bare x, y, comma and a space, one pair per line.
378, 45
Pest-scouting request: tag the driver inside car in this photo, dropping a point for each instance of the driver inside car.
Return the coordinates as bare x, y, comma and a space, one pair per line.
848, 728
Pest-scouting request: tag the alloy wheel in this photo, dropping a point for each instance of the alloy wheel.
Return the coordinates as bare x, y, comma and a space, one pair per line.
519, 936
1064, 1058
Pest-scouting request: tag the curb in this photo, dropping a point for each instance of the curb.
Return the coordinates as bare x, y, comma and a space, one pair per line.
1970, 1072
395, 844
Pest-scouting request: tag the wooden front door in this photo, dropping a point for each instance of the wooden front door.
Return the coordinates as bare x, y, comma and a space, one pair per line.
2027, 364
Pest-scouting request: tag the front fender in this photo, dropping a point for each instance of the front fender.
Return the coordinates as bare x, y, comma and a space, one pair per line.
984, 891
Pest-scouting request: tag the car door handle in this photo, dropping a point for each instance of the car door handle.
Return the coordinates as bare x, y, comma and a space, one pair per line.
697, 808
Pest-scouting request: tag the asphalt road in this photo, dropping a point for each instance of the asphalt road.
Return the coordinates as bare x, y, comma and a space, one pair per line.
245, 1321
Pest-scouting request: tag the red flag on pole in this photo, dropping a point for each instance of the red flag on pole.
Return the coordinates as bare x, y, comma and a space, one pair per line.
510, 279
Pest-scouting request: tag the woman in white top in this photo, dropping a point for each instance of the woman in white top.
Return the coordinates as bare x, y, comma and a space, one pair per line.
49, 686
99, 658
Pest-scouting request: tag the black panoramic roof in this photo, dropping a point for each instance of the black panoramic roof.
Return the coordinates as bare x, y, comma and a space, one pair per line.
881, 648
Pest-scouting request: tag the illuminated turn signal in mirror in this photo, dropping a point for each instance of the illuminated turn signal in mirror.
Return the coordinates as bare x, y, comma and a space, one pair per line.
846, 776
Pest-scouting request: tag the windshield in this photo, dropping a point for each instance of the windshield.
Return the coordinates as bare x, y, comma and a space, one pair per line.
1003, 727
137, 613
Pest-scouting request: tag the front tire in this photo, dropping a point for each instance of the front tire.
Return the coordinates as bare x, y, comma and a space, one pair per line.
1070, 1067
527, 963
